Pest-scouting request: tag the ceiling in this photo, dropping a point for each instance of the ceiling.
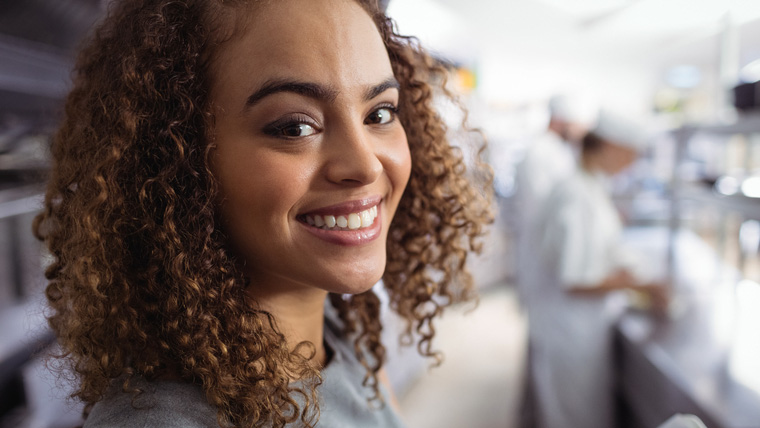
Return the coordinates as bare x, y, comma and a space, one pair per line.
618, 27
520, 49
541, 44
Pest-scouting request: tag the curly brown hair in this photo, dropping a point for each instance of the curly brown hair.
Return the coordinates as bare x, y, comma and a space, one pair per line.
142, 282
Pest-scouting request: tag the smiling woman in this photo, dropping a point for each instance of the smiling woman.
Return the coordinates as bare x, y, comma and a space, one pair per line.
320, 131
230, 180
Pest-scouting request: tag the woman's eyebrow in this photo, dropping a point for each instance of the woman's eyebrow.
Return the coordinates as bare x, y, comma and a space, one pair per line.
311, 90
376, 90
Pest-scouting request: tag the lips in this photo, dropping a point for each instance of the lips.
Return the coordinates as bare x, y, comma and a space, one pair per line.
352, 221
349, 223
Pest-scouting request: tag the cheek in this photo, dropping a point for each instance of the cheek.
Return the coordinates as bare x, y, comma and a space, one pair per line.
400, 162
260, 186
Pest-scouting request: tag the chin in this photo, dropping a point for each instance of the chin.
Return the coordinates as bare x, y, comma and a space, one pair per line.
360, 283
353, 275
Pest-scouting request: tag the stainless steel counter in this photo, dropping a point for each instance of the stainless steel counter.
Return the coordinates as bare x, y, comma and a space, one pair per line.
704, 361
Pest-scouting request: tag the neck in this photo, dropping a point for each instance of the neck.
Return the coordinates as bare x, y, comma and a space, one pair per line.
299, 314
561, 128
589, 163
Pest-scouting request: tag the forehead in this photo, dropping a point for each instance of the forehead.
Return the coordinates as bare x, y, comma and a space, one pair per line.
333, 42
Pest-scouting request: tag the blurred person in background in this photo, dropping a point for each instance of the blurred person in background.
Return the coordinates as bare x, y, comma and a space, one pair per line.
549, 159
576, 282
552, 156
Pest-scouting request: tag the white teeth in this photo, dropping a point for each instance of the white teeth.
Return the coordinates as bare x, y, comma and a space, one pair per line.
352, 221
367, 218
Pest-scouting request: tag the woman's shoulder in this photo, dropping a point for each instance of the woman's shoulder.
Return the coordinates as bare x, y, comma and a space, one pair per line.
160, 404
344, 400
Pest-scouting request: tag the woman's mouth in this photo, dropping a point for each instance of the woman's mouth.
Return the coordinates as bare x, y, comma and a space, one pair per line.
351, 221
347, 224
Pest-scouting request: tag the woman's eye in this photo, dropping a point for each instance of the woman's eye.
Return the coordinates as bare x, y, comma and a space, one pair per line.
290, 129
297, 130
381, 116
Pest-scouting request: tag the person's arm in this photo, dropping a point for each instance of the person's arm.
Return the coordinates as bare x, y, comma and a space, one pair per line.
622, 279
583, 251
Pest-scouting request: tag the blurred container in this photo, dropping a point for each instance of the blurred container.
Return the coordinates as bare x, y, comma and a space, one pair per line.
747, 96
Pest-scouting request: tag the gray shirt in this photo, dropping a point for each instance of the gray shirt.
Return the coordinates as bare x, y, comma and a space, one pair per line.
343, 399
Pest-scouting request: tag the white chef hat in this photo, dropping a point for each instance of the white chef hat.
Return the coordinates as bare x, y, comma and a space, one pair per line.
621, 132
574, 108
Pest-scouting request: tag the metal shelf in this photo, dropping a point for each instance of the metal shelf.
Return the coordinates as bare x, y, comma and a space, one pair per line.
34, 78
749, 207
748, 123
24, 333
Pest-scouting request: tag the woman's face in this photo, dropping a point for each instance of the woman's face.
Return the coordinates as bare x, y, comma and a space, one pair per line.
311, 158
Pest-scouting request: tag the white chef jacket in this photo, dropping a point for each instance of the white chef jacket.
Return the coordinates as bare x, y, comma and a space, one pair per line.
548, 161
580, 231
579, 240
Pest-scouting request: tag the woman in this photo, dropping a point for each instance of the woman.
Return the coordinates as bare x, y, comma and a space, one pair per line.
576, 282
222, 169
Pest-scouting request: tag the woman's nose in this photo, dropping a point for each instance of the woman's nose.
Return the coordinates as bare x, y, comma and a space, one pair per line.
352, 157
